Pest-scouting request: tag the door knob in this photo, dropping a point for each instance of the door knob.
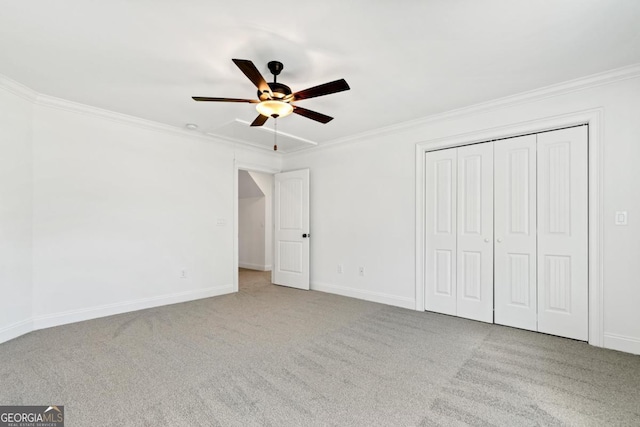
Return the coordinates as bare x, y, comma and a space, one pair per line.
304, 236
486, 240
499, 240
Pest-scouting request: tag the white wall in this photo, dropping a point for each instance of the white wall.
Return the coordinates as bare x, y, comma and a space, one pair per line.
251, 232
265, 182
363, 201
121, 210
100, 213
255, 231
16, 167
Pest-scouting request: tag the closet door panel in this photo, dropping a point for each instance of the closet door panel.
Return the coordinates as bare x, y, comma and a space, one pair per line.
440, 262
563, 232
475, 232
515, 232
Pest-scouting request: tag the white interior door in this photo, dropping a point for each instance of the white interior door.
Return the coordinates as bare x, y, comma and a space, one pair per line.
474, 250
515, 232
562, 233
291, 231
440, 231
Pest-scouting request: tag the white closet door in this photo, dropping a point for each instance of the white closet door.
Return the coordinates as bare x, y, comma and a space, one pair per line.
475, 232
440, 278
515, 232
562, 233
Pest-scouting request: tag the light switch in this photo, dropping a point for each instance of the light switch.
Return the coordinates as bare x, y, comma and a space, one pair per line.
621, 218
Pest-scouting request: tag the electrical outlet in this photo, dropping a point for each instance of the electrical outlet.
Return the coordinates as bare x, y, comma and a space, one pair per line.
183, 274
361, 271
340, 269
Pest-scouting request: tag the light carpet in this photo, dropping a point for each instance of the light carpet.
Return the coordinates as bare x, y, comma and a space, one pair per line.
274, 356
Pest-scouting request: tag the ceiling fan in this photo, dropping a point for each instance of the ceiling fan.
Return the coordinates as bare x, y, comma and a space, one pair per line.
276, 99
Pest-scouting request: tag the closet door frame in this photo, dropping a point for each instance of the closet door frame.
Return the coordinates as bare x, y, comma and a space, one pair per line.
593, 118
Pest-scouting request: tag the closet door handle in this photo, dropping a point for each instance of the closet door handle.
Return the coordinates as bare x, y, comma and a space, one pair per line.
499, 240
486, 240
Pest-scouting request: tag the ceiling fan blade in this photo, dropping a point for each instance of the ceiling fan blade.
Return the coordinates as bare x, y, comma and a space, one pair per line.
253, 74
206, 98
260, 120
313, 115
321, 90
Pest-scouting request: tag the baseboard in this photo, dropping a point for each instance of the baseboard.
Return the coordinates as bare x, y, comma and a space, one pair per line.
15, 330
365, 295
622, 343
258, 267
80, 315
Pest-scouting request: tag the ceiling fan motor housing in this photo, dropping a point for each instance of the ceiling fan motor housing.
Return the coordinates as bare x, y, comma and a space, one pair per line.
279, 90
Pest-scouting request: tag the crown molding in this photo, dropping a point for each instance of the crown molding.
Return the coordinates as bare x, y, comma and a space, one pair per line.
575, 85
17, 89
594, 80
75, 107
78, 108
49, 101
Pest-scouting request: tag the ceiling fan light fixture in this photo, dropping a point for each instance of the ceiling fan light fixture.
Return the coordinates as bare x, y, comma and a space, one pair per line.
274, 108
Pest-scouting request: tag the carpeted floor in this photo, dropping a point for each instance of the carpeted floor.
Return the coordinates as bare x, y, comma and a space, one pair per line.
270, 355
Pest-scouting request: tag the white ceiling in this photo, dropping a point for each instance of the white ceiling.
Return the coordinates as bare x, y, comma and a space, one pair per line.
403, 59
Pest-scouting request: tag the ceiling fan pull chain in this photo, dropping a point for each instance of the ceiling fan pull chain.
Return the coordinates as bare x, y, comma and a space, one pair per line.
275, 134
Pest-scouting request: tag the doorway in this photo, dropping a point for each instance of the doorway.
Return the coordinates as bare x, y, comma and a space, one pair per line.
255, 228
289, 247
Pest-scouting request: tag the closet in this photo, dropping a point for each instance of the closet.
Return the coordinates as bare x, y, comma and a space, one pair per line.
506, 232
